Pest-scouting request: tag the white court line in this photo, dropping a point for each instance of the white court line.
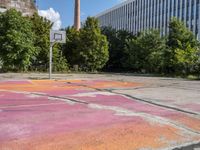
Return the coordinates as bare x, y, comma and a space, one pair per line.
20, 106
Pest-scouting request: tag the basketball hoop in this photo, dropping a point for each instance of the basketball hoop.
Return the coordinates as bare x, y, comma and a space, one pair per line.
55, 37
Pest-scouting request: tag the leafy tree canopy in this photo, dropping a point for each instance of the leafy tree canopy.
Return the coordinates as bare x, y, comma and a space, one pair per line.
87, 48
181, 46
41, 27
145, 52
117, 44
16, 41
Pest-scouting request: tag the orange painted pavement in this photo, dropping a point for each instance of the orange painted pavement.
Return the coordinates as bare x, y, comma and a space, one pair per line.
37, 115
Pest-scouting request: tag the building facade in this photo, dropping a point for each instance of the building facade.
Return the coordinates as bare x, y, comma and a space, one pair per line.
27, 7
139, 15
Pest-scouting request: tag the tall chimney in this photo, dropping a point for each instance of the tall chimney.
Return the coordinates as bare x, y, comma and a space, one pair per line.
77, 22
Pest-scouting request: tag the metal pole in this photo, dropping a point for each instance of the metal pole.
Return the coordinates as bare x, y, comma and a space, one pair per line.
50, 61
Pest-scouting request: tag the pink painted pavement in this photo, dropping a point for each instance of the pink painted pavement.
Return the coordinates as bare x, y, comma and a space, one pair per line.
84, 115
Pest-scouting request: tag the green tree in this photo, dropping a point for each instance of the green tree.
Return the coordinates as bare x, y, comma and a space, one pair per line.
87, 48
41, 27
16, 41
186, 60
179, 38
71, 49
145, 52
117, 44
60, 63
94, 46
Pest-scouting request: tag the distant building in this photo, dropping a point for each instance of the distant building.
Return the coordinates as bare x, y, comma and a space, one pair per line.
27, 7
138, 15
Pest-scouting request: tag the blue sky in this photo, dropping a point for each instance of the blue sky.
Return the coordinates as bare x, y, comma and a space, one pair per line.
66, 8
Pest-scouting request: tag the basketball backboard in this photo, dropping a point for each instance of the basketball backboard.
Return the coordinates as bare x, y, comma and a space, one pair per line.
57, 36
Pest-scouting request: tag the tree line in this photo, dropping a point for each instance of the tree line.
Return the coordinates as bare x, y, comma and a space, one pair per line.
24, 46
178, 52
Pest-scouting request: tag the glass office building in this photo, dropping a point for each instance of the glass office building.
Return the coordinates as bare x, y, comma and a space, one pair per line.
139, 15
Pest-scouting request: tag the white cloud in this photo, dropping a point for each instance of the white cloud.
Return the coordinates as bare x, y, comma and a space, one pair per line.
53, 16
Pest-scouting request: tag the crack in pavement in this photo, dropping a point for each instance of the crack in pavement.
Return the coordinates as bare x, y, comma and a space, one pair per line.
139, 99
118, 110
159, 104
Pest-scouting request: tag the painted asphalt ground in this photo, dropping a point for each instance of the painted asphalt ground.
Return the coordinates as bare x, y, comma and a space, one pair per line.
91, 115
